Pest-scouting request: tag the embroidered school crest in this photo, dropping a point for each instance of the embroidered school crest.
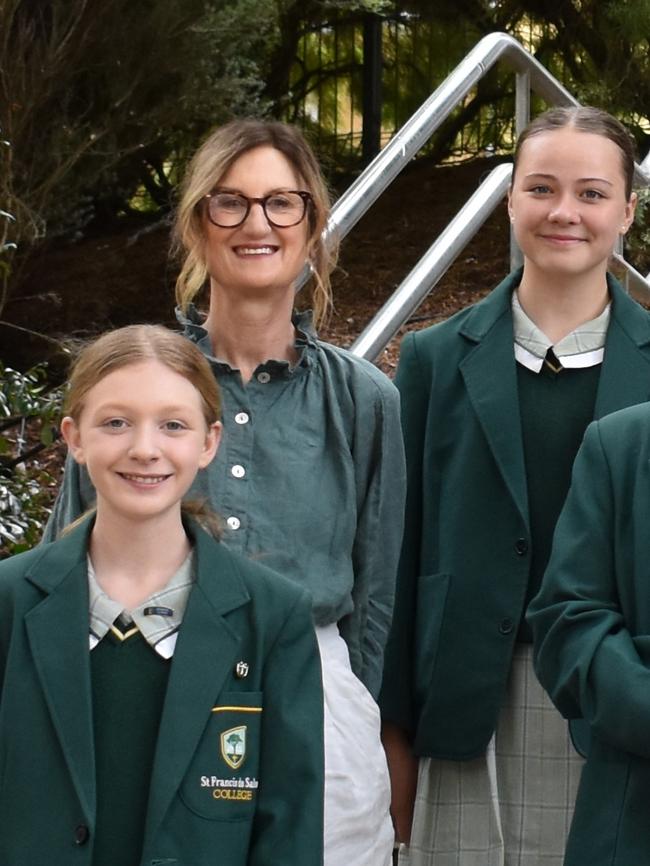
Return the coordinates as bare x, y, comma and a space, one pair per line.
233, 746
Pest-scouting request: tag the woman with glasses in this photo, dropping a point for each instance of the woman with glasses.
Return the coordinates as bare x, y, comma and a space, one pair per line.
309, 478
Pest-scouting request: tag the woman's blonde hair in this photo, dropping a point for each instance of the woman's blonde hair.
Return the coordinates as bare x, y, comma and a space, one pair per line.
132, 345
210, 163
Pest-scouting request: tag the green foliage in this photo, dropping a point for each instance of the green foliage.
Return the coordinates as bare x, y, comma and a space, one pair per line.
27, 395
28, 413
599, 50
7, 247
101, 99
637, 242
25, 501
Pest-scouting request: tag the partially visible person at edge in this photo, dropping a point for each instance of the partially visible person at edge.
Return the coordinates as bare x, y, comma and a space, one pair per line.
591, 622
310, 476
160, 695
495, 402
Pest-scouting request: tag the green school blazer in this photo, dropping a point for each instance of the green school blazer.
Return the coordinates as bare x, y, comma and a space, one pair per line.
591, 622
237, 611
465, 557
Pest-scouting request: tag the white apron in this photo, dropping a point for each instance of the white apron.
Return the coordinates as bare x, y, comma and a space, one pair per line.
358, 827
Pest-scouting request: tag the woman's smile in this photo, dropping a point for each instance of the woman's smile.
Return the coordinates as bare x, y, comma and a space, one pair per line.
277, 255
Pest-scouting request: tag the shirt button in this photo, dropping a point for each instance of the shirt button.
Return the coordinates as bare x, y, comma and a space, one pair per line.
506, 625
242, 418
233, 523
263, 377
81, 834
238, 471
521, 547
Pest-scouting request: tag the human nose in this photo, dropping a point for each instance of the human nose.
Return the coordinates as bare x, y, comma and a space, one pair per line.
256, 221
144, 444
563, 209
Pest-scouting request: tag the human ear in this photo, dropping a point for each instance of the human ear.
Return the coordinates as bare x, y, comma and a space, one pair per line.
211, 444
630, 208
72, 436
511, 215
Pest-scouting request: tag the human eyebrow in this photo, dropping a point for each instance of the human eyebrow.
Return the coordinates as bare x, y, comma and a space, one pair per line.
112, 409
596, 180
540, 175
125, 409
233, 191
533, 175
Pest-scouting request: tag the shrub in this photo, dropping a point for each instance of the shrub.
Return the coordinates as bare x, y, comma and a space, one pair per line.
29, 409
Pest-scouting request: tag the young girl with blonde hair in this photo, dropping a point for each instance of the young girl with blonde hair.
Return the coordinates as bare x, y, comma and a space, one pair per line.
160, 696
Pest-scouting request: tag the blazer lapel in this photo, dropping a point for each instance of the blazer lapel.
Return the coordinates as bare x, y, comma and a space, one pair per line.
490, 376
204, 656
57, 630
625, 375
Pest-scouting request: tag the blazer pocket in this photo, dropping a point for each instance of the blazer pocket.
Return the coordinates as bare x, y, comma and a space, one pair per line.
429, 614
222, 782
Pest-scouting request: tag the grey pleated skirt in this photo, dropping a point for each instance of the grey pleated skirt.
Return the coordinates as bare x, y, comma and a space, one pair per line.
511, 807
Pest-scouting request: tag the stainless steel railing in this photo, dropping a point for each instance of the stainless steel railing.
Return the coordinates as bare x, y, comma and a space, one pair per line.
530, 76
413, 290
421, 126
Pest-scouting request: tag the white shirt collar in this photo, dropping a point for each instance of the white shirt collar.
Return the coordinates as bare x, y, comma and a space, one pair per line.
583, 347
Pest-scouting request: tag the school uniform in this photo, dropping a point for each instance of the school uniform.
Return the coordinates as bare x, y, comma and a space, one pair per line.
237, 768
458, 655
591, 621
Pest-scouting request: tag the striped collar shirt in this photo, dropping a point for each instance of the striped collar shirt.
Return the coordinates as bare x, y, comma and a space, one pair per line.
160, 631
583, 347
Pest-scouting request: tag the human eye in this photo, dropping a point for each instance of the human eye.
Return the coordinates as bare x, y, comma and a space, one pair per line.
227, 201
539, 189
593, 194
174, 426
281, 201
114, 425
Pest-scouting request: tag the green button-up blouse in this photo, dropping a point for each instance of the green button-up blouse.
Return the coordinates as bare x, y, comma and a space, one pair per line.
309, 479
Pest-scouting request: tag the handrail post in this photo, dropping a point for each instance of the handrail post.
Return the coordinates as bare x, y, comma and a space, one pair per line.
522, 118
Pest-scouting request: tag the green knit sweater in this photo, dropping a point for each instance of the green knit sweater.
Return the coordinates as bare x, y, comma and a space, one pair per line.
555, 410
129, 680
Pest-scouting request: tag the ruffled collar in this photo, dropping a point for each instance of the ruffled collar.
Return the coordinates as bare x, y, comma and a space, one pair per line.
305, 343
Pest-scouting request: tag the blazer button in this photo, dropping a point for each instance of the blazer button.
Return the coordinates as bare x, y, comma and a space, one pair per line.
506, 625
81, 834
521, 547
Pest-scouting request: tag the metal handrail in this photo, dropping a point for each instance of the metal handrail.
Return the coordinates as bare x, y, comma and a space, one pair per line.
404, 145
426, 274
645, 166
418, 130
433, 264
636, 284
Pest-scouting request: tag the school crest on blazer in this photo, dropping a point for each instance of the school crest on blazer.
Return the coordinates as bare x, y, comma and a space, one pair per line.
233, 746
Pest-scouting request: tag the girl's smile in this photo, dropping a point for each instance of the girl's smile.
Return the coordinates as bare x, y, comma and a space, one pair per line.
142, 436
